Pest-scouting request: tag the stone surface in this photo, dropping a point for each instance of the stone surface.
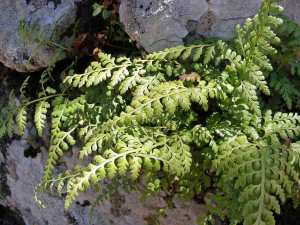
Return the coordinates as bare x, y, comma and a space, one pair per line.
292, 9
158, 24
41, 12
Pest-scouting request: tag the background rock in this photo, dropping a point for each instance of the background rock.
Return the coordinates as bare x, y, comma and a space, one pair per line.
159, 24
41, 12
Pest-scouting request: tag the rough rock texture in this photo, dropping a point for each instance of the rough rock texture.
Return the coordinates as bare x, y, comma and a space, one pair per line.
41, 12
158, 24
292, 9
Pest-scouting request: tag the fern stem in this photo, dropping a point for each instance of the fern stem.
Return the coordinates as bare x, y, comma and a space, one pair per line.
57, 45
40, 99
254, 44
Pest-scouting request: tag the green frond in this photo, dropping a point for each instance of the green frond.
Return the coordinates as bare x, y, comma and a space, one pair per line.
93, 144
100, 71
58, 114
185, 52
59, 142
247, 93
130, 82
11, 98
22, 90
147, 84
129, 154
183, 119
21, 120
40, 115
284, 87
2, 129
256, 77
282, 124
262, 170
209, 54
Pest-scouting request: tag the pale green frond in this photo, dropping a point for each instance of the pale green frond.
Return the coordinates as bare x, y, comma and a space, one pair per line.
40, 116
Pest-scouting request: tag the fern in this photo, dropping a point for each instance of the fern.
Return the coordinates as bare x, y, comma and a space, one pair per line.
59, 143
40, 116
183, 119
291, 28
185, 52
284, 87
21, 120
253, 167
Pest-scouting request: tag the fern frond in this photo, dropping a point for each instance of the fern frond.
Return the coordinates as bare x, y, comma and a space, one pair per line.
59, 142
128, 155
261, 169
40, 116
100, 71
21, 119
2, 128
209, 54
147, 84
22, 91
247, 92
130, 82
185, 52
10, 125
284, 87
60, 105
11, 98
256, 77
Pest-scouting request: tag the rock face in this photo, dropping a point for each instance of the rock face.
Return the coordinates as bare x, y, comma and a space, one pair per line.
158, 24
44, 13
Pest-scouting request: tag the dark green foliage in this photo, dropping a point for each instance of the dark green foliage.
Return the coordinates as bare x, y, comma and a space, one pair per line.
183, 119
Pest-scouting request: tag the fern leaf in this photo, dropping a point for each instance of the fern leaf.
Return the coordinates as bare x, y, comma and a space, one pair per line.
284, 87
58, 114
119, 75
10, 125
247, 92
198, 53
254, 168
130, 82
209, 54
22, 91
256, 77
59, 142
185, 51
21, 120
40, 116
2, 128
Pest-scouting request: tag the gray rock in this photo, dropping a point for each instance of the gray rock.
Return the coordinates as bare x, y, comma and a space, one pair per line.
292, 9
159, 24
44, 13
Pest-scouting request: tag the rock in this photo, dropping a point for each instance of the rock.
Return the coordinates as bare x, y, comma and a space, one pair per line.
44, 13
159, 24
292, 9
